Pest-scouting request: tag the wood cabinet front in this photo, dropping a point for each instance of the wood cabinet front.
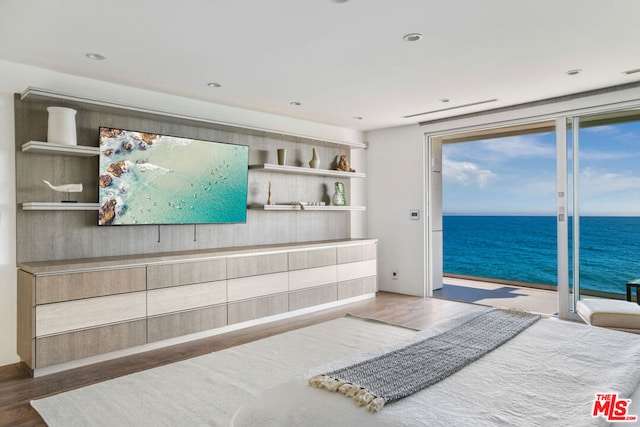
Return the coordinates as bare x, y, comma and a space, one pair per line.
65, 315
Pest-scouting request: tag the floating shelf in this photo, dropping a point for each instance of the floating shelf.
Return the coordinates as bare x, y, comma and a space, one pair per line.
306, 171
37, 94
62, 149
306, 208
59, 206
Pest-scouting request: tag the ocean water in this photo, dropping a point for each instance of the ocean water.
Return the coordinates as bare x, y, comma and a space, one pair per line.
524, 248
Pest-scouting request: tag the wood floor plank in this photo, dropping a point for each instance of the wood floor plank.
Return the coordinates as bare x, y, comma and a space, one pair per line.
17, 388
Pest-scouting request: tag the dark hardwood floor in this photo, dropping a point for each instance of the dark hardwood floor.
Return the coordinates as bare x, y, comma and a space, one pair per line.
17, 388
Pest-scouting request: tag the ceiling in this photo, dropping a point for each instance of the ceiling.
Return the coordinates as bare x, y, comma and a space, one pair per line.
346, 62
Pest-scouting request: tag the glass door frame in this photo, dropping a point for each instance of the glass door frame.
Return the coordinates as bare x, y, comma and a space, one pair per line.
566, 299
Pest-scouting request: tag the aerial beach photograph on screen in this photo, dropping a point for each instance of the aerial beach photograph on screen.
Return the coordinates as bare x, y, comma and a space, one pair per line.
148, 178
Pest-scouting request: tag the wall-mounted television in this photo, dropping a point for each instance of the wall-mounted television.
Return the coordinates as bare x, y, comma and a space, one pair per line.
147, 178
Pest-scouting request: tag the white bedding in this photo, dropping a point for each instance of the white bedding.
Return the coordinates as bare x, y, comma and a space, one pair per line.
546, 376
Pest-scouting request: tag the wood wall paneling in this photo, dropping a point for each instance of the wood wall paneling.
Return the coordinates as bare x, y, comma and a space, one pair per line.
73, 286
72, 235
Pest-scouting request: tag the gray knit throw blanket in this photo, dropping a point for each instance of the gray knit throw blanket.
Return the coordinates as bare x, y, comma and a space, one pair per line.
406, 370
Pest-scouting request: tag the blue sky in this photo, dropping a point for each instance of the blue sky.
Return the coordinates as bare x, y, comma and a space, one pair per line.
517, 175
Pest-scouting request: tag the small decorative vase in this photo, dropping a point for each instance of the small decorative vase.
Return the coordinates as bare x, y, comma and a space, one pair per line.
282, 156
338, 198
62, 125
315, 160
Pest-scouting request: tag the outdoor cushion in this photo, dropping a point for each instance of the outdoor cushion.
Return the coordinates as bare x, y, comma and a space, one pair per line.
610, 313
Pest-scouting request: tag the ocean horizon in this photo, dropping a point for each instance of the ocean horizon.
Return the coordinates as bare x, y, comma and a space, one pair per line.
524, 248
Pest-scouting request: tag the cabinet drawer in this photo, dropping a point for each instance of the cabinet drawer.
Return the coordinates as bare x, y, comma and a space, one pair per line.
355, 270
71, 315
357, 253
354, 288
308, 278
257, 286
89, 342
254, 265
75, 286
186, 273
314, 296
179, 298
243, 311
186, 322
312, 258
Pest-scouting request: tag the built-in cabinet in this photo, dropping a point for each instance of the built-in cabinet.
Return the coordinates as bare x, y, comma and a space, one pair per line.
71, 310
86, 293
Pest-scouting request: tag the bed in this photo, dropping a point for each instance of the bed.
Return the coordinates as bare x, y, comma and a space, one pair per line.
547, 375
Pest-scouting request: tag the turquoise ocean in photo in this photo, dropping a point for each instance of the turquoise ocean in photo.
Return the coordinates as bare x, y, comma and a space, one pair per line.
174, 180
523, 248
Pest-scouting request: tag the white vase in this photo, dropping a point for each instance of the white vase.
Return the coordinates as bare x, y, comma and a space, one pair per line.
62, 125
315, 160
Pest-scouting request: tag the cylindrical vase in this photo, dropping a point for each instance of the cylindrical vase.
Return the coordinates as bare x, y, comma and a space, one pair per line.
62, 125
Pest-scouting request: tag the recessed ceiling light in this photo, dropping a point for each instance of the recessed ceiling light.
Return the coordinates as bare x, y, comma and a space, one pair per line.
444, 100
637, 70
357, 118
95, 56
295, 103
214, 84
412, 37
574, 72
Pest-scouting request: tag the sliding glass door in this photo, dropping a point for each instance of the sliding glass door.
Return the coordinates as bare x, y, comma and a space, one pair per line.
597, 167
602, 172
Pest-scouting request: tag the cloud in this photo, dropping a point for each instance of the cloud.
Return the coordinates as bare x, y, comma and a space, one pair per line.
518, 147
587, 154
594, 181
466, 173
504, 149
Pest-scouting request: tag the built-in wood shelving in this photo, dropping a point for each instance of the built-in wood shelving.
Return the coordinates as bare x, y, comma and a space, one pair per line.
306, 208
306, 171
59, 206
61, 149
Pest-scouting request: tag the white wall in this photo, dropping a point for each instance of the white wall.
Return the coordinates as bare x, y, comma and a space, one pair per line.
15, 78
395, 185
